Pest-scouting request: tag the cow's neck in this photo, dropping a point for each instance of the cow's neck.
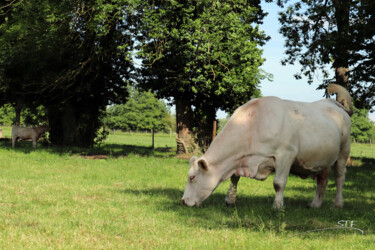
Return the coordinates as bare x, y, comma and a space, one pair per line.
224, 165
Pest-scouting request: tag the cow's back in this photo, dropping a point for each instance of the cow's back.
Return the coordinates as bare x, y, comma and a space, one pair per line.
255, 128
323, 131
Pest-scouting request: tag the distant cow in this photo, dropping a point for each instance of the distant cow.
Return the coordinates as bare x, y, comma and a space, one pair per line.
25, 133
269, 135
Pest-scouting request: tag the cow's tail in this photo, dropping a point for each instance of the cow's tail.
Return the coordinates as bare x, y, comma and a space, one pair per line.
342, 96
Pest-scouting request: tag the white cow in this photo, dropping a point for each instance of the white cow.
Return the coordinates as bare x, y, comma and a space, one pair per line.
269, 135
25, 133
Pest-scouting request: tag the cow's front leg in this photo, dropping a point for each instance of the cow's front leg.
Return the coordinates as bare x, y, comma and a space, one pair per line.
321, 184
231, 197
34, 144
279, 187
279, 182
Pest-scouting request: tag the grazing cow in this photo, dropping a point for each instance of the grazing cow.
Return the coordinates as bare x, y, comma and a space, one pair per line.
269, 135
24, 133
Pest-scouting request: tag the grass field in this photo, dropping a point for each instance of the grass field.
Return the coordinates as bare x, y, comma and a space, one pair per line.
124, 195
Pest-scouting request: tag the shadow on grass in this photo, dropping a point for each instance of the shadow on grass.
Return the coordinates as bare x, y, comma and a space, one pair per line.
363, 161
255, 213
108, 150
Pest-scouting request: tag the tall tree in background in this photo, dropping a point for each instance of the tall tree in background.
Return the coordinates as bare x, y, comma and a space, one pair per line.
335, 33
143, 111
203, 55
362, 127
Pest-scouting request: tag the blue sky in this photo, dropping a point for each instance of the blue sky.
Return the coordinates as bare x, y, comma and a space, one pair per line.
284, 85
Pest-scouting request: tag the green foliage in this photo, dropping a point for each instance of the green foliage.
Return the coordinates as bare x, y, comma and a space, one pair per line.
34, 116
7, 115
75, 58
142, 111
322, 34
70, 56
30, 116
362, 127
206, 52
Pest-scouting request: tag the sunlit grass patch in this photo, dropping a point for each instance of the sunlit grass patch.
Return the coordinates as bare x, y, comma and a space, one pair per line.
55, 198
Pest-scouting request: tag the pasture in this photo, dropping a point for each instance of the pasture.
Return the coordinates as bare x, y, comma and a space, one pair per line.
124, 195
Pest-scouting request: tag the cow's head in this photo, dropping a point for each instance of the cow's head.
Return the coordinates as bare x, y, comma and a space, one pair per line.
202, 181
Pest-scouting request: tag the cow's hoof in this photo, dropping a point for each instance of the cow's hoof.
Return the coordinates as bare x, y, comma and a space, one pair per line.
312, 205
230, 204
277, 205
341, 205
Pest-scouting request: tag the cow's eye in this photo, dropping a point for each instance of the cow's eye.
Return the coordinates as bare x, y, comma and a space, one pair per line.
191, 178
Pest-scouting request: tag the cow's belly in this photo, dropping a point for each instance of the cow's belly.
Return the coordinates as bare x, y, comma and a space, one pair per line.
302, 170
317, 149
25, 137
311, 166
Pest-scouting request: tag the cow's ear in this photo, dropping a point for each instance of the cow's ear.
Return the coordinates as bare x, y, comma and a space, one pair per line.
202, 164
192, 160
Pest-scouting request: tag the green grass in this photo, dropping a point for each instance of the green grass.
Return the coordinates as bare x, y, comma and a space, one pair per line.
55, 198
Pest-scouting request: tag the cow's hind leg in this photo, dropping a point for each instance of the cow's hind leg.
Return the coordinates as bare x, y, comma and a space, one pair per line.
321, 184
14, 139
230, 199
339, 171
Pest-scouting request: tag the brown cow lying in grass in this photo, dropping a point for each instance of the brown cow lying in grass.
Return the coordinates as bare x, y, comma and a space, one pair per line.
25, 133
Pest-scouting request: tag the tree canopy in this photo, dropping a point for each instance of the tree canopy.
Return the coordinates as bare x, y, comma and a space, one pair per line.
207, 51
203, 55
337, 36
70, 56
75, 58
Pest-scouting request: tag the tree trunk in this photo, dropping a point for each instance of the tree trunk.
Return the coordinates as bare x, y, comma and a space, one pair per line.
153, 138
69, 125
206, 125
18, 109
55, 123
17, 122
341, 74
214, 129
184, 121
341, 60
72, 126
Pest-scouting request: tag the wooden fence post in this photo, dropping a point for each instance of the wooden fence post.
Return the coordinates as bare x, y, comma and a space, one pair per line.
153, 139
214, 130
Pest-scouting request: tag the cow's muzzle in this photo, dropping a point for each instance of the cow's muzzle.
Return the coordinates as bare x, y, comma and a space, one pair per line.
186, 202
183, 202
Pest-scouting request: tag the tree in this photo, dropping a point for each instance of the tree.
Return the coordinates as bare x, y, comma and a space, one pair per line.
362, 127
204, 55
70, 56
143, 111
335, 33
